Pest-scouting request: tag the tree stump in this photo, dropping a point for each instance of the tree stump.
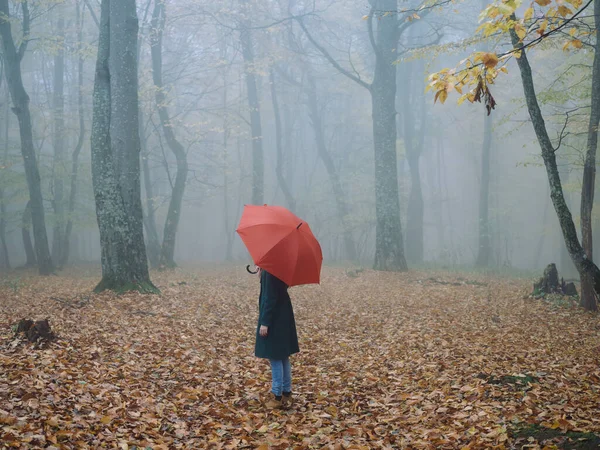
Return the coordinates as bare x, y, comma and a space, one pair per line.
35, 331
570, 289
550, 284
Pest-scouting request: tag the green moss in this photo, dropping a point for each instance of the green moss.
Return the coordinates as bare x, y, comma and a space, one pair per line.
122, 287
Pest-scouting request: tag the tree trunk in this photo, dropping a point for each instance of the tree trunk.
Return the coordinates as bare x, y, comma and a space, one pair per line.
59, 163
588, 299
31, 260
150, 217
174, 213
342, 207
485, 249
5, 262
64, 258
20, 99
116, 152
254, 106
588, 271
289, 198
413, 141
389, 251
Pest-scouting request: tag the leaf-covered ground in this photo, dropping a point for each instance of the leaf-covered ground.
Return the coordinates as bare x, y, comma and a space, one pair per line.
418, 360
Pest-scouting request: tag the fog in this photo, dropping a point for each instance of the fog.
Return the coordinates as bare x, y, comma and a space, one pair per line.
294, 81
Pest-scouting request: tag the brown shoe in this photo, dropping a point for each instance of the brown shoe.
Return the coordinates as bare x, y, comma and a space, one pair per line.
286, 401
273, 403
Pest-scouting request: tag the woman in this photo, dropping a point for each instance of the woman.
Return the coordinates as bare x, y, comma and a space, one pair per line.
276, 337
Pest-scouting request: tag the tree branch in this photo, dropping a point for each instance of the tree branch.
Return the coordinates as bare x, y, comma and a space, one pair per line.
26, 30
371, 35
96, 21
329, 58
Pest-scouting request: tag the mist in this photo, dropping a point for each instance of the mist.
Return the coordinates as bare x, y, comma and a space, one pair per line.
273, 102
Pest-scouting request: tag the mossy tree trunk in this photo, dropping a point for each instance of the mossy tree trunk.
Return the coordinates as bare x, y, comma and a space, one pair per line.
116, 152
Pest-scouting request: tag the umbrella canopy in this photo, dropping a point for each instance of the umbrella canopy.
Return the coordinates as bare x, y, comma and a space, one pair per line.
281, 243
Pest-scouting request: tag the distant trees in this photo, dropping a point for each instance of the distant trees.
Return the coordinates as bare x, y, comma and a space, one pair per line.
167, 254
13, 56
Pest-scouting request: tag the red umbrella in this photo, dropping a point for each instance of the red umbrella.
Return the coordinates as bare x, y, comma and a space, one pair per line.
282, 244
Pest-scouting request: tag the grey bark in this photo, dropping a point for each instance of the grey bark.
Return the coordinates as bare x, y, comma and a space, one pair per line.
588, 271
59, 163
485, 248
389, 251
258, 169
174, 213
116, 152
20, 99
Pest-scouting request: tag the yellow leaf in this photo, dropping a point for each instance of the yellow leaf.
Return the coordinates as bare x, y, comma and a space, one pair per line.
365, 17
577, 43
106, 420
458, 89
504, 69
543, 2
564, 11
490, 60
528, 13
461, 99
521, 32
443, 96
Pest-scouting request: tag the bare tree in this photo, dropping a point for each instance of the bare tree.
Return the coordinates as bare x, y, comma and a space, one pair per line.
12, 60
172, 223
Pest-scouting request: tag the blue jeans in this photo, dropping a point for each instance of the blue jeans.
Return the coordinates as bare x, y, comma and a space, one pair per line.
281, 373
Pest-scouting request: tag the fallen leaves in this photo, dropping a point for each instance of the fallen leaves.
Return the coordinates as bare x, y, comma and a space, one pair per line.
387, 361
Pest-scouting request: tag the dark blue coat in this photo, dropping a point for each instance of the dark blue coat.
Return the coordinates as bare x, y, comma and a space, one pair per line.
275, 312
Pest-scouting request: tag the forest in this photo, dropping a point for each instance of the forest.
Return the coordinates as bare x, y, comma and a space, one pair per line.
442, 151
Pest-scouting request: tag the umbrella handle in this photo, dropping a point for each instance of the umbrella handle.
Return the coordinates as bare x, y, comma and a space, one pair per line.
249, 271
